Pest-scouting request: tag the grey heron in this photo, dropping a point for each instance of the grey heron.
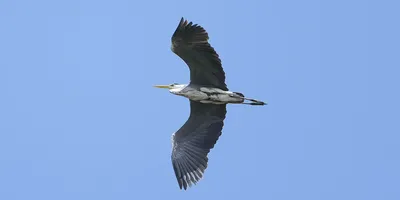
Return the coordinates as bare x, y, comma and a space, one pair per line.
208, 95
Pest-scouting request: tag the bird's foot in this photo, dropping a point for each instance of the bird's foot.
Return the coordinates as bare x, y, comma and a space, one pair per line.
254, 102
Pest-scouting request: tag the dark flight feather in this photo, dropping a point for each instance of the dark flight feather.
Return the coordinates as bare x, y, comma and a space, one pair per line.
194, 140
190, 43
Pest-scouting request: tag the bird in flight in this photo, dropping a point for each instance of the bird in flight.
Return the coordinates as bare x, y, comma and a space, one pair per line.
208, 95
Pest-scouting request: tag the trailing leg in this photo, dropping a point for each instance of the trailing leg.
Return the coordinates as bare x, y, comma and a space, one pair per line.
253, 101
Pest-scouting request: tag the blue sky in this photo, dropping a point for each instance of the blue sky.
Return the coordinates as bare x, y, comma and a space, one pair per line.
79, 118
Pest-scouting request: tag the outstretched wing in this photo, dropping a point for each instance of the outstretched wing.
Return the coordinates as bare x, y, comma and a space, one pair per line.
190, 43
194, 140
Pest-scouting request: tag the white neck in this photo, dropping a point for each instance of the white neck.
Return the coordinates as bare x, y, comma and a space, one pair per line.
177, 88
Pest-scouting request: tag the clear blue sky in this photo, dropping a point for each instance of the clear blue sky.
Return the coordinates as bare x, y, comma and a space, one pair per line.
79, 118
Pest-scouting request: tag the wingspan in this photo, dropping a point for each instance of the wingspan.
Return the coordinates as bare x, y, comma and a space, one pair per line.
190, 43
194, 140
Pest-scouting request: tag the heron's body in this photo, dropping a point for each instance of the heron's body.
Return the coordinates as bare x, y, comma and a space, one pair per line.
204, 94
208, 95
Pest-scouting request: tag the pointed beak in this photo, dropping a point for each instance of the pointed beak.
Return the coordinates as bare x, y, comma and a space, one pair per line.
162, 86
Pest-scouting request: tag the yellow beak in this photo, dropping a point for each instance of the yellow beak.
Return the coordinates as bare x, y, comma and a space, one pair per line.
162, 86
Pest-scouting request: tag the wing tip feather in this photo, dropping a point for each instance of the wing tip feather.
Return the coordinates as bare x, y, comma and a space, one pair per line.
190, 32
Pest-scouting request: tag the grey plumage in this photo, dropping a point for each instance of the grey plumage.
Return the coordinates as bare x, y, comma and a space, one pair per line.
208, 95
190, 43
193, 141
201, 131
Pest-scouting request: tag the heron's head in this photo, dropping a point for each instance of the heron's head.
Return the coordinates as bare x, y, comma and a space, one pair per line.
173, 88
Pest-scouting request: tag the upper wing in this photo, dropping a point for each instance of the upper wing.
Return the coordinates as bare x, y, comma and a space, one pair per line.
190, 43
194, 140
